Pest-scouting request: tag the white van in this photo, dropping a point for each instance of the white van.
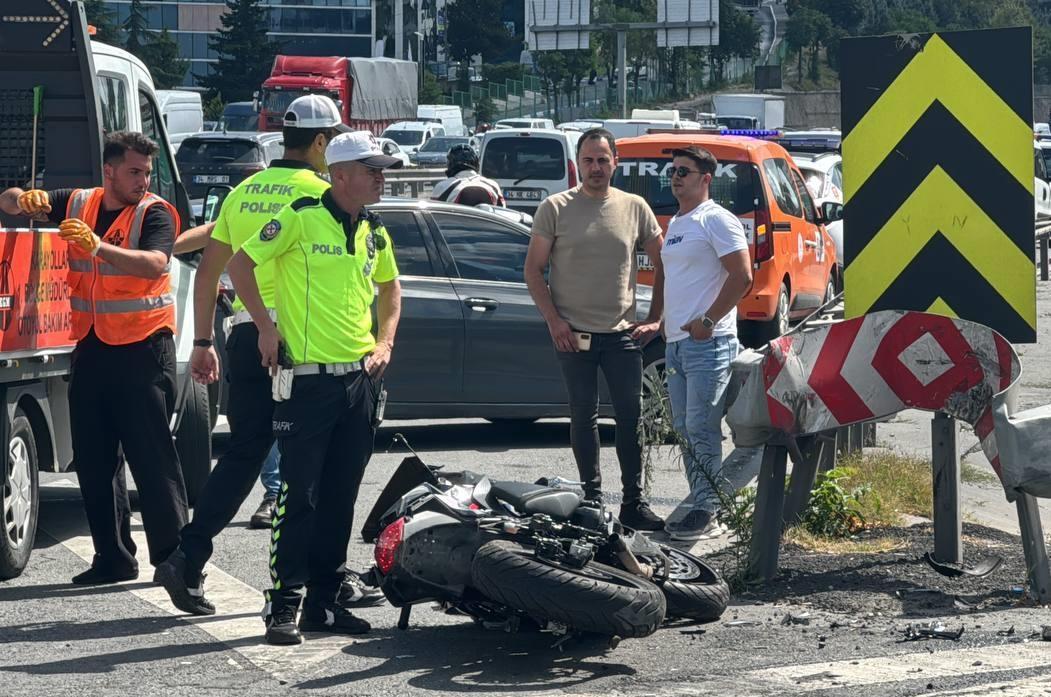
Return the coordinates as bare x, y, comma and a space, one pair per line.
448, 115
530, 164
526, 122
410, 135
182, 112
629, 128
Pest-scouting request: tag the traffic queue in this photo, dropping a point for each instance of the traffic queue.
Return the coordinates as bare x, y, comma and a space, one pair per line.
305, 361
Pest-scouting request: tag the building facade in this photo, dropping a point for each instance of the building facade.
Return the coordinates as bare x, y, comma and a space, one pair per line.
393, 28
303, 27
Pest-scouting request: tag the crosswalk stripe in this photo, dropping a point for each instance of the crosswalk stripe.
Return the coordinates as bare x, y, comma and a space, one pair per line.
812, 677
237, 624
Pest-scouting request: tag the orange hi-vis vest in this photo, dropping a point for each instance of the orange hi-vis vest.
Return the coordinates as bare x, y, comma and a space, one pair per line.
122, 308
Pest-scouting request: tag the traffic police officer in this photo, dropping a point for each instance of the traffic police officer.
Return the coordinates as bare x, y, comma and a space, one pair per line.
329, 253
122, 387
310, 124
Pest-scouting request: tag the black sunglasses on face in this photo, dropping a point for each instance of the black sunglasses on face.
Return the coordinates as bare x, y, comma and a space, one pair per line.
683, 171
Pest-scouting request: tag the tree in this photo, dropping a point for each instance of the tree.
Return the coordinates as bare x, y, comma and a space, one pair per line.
213, 108
104, 21
246, 53
551, 69
135, 27
475, 27
432, 91
161, 56
738, 37
800, 33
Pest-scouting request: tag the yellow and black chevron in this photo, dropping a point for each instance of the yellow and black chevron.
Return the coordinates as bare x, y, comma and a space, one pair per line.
938, 176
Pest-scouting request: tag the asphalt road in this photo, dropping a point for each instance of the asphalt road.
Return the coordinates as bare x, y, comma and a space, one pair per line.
119, 640
58, 639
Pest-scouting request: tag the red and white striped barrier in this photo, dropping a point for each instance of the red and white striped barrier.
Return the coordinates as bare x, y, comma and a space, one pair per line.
874, 366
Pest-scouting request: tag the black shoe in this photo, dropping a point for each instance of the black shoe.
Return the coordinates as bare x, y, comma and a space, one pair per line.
354, 592
186, 589
264, 514
281, 627
696, 525
96, 576
638, 516
332, 619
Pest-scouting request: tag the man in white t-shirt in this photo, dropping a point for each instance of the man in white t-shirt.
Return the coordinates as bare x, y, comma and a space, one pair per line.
707, 271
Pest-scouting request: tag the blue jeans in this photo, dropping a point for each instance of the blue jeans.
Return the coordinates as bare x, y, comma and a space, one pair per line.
698, 374
270, 475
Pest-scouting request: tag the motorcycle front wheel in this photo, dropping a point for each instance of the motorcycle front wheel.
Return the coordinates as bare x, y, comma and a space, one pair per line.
596, 598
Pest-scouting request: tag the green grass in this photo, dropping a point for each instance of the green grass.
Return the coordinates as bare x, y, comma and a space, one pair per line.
896, 485
976, 474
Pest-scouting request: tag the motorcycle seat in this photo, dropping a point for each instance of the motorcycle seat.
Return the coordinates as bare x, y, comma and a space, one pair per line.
534, 498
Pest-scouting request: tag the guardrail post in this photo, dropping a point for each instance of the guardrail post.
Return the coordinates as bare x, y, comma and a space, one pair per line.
769, 504
945, 460
1043, 257
1036, 560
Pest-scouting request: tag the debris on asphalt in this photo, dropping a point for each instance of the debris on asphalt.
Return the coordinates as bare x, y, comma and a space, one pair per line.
852, 624
1006, 632
741, 623
985, 566
801, 618
1045, 633
931, 630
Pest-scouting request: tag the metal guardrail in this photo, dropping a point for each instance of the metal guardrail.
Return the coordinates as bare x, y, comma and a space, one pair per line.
1043, 234
411, 182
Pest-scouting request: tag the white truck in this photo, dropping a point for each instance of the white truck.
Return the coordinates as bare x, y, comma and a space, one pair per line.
89, 88
749, 111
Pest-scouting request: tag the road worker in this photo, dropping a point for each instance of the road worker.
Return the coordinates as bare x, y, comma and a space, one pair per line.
122, 386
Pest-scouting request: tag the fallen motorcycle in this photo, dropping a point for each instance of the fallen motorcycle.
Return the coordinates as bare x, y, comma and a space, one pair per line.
511, 555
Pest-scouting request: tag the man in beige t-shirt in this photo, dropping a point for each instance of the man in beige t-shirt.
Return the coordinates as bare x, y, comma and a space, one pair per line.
588, 235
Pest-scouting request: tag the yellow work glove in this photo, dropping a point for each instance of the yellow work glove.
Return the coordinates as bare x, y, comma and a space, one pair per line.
34, 202
76, 231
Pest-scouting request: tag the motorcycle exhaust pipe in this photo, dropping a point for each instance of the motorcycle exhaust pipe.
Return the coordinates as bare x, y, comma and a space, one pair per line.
628, 559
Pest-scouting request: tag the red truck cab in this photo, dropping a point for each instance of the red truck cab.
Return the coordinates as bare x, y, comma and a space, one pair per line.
361, 87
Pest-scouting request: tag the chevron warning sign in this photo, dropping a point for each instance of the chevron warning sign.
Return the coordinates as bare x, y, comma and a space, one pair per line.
938, 176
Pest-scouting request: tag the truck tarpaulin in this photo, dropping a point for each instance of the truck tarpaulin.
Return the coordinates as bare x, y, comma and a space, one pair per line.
34, 297
384, 89
874, 366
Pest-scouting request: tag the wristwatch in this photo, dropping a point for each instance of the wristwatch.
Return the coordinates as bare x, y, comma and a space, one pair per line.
202, 343
707, 322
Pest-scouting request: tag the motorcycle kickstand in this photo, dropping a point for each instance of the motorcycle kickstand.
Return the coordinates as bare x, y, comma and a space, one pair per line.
403, 618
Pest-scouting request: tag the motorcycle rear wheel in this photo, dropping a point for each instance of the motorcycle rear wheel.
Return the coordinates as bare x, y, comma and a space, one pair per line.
693, 588
597, 598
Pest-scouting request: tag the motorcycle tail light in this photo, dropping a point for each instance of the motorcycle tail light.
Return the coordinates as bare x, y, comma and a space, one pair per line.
387, 545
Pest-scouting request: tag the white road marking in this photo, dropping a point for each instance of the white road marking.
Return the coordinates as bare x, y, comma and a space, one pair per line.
911, 666
238, 622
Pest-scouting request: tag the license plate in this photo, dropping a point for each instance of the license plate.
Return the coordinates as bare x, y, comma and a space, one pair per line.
519, 195
643, 260
211, 179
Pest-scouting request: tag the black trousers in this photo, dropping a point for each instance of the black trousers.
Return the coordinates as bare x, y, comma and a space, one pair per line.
325, 436
250, 413
620, 359
122, 397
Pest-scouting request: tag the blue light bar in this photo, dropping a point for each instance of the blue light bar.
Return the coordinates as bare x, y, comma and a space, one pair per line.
751, 132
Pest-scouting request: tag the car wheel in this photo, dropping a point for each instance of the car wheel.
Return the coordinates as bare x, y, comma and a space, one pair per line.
21, 499
830, 289
193, 440
656, 408
778, 325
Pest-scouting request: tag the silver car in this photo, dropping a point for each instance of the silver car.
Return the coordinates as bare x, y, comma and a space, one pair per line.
471, 343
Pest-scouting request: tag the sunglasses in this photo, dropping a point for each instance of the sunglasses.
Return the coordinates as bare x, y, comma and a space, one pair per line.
683, 171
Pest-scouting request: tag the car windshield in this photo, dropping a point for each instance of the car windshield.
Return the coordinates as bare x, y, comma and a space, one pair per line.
442, 144
515, 124
1046, 153
815, 181
198, 151
404, 137
524, 157
238, 122
735, 185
